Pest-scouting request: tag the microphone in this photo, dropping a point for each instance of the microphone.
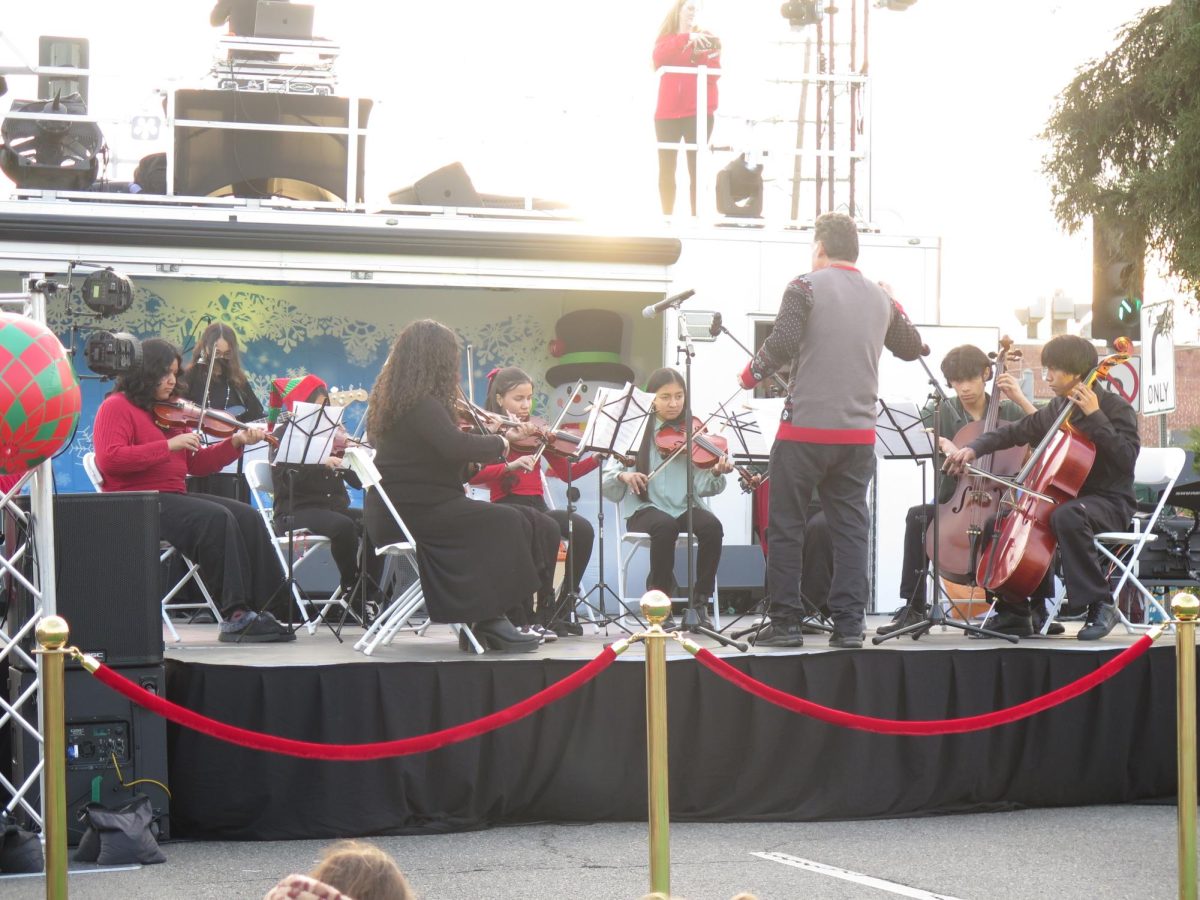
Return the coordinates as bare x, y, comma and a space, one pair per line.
670, 302
715, 328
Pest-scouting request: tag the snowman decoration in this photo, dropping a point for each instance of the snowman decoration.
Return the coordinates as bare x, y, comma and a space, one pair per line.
587, 350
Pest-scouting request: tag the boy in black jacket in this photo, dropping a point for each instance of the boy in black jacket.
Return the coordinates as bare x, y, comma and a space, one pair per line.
1105, 502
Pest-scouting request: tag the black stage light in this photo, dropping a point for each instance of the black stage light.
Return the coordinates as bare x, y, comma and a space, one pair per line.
111, 353
740, 189
800, 13
50, 154
107, 293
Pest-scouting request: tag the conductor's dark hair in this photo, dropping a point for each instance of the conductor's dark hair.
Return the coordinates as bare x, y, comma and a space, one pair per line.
964, 363
141, 385
838, 235
1070, 353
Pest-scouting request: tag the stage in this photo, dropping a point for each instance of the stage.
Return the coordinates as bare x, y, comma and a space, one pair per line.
582, 759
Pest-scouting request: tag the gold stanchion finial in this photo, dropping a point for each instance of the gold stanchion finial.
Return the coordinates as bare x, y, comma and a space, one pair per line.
656, 606
53, 633
1185, 606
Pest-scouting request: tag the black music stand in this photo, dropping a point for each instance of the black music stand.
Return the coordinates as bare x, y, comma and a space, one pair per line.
900, 433
307, 439
615, 426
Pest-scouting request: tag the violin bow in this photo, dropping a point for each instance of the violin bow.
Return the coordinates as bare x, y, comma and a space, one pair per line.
557, 422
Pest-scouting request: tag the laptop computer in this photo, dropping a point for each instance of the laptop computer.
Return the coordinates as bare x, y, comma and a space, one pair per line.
280, 19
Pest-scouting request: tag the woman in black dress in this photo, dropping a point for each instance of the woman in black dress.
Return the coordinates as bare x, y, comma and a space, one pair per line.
475, 559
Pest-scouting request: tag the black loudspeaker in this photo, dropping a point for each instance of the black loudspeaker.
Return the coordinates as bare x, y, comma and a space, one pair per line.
107, 575
740, 190
448, 186
210, 159
101, 725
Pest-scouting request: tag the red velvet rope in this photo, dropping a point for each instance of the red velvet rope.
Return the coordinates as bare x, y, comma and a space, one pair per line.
379, 750
932, 726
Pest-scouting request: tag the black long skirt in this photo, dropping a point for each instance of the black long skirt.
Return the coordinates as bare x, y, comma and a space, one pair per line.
475, 558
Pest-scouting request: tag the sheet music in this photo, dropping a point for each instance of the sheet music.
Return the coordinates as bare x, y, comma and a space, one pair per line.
900, 431
618, 420
308, 437
767, 412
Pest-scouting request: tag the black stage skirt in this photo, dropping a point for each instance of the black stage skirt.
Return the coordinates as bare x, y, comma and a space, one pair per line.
474, 557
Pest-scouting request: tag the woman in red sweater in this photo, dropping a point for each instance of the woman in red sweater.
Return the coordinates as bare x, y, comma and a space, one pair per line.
518, 481
680, 43
227, 538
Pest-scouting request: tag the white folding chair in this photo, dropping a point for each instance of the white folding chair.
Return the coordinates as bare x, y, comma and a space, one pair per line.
302, 543
1157, 468
167, 552
629, 543
400, 612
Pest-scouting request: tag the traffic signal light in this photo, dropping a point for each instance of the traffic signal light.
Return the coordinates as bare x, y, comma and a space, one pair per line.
1118, 274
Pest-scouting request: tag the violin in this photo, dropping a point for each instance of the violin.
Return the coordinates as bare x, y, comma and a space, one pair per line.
184, 414
707, 450
1023, 544
475, 418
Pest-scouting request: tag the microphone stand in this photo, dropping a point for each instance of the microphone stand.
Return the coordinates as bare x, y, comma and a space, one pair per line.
691, 616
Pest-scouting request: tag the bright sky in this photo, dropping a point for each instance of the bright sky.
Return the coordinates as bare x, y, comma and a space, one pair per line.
556, 99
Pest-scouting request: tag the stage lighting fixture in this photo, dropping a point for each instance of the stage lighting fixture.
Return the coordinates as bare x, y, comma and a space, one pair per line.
111, 353
107, 293
50, 154
740, 189
800, 13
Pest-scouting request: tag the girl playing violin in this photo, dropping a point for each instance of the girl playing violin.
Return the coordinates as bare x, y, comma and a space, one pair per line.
315, 497
518, 482
226, 537
229, 389
658, 505
475, 559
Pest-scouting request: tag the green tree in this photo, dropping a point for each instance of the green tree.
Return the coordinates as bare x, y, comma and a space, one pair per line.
1125, 140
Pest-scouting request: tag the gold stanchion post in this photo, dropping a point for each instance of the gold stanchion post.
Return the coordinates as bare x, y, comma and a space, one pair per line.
656, 606
1186, 608
52, 634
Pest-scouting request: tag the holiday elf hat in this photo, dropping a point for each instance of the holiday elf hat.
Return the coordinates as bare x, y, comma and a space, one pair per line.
287, 391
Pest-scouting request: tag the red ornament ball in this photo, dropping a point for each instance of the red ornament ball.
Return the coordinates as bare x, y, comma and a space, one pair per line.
39, 394
557, 347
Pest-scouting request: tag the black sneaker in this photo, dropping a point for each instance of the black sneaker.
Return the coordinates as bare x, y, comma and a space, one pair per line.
780, 634
1039, 619
846, 640
1005, 620
904, 617
248, 627
1101, 618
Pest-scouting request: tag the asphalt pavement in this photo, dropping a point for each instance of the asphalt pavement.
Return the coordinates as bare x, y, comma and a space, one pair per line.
1090, 852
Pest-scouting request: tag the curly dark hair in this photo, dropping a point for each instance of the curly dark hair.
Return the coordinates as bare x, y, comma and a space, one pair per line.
423, 363
141, 385
839, 235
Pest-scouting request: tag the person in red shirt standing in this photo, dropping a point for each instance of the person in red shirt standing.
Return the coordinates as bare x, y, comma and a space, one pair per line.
226, 537
518, 482
680, 43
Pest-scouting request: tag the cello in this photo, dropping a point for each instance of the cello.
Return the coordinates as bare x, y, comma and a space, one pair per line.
961, 518
1022, 546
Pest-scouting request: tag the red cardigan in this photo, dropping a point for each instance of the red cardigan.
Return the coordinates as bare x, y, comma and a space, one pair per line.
677, 90
527, 483
132, 454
